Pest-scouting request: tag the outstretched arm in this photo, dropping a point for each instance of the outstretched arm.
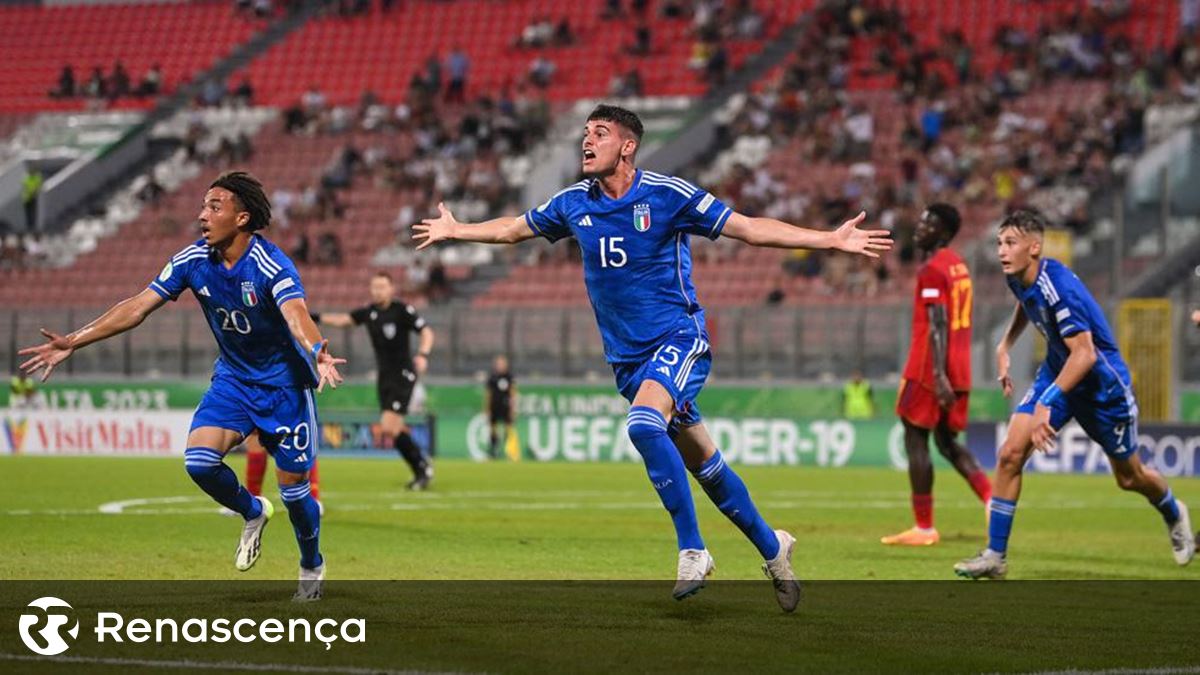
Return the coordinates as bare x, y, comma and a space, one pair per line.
124, 315
335, 319
306, 333
778, 234
503, 230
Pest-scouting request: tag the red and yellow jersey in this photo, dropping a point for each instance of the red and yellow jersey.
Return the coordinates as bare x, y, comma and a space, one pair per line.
943, 280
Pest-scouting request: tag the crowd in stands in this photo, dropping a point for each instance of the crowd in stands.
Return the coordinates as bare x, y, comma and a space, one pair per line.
964, 137
101, 86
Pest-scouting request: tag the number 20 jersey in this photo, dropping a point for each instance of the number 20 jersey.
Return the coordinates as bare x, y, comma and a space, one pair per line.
637, 262
241, 305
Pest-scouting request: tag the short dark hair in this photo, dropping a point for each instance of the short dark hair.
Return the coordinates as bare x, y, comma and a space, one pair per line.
1025, 221
249, 193
617, 114
947, 217
384, 275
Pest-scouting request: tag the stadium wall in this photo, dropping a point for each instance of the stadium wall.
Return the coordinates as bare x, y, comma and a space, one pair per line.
574, 423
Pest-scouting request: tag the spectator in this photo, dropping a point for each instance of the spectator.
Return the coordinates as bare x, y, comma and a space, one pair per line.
612, 9
66, 83
541, 70
329, 250
458, 65
151, 191
31, 190
537, 33
213, 92
438, 288
283, 202
563, 35
312, 102
151, 82
244, 93
118, 84
97, 85
263, 8
626, 84
641, 39
300, 247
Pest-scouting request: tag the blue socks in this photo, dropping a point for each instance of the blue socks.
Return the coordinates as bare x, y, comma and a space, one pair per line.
1167, 507
648, 431
306, 521
726, 489
1000, 523
207, 469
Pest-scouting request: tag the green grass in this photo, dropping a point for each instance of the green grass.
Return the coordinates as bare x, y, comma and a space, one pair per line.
545, 522
555, 521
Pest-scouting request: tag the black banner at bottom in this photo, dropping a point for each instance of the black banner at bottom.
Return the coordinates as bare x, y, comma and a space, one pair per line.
535, 627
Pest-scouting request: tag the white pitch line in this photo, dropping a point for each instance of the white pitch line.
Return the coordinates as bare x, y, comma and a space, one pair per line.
1164, 670
188, 664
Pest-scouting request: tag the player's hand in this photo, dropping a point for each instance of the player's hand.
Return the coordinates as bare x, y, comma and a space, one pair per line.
850, 239
46, 356
1196, 317
327, 371
421, 364
432, 230
944, 392
1044, 436
1002, 365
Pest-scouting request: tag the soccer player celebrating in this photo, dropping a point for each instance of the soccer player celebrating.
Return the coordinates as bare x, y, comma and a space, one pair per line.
500, 402
937, 377
1083, 377
389, 323
632, 227
271, 356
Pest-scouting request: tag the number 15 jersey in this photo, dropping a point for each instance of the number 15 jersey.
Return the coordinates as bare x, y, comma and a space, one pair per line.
637, 262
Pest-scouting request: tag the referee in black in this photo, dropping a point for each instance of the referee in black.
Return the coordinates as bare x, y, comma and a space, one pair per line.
500, 401
389, 322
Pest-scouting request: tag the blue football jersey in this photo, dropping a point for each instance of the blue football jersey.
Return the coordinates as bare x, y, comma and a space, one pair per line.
1060, 306
242, 308
637, 262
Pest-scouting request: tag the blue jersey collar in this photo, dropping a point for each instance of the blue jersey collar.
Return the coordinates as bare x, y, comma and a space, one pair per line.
627, 197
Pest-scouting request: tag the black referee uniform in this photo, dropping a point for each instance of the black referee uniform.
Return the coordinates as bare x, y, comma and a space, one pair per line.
500, 408
391, 329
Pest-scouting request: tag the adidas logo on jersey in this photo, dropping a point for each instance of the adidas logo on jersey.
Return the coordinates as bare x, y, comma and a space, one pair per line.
664, 370
585, 221
204, 291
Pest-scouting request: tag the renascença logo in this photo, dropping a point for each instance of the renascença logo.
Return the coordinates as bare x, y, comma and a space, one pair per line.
52, 633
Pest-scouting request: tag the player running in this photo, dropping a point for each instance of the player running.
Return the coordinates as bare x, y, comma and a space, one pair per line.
632, 227
1083, 377
937, 378
389, 322
271, 356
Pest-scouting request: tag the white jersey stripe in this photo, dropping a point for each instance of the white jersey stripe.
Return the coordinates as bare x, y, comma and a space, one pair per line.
266, 259
262, 265
673, 186
194, 256
658, 177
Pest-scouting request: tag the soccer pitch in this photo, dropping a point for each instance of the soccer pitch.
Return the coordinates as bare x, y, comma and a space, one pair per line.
132, 520
102, 518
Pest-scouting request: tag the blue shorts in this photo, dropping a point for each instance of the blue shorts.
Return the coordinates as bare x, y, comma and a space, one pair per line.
1109, 416
680, 364
286, 418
